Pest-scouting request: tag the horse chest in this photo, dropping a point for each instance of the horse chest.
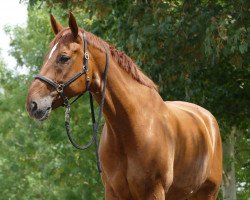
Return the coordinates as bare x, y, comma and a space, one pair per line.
128, 179
129, 176
133, 169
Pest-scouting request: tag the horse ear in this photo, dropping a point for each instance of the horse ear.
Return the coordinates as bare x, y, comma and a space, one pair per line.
73, 25
56, 26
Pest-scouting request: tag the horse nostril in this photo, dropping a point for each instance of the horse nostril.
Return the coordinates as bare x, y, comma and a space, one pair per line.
33, 106
48, 108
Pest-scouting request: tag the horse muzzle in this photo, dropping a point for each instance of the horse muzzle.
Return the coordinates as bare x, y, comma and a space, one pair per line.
40, 108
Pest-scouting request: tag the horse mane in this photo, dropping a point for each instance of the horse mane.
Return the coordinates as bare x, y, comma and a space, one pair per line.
124, 61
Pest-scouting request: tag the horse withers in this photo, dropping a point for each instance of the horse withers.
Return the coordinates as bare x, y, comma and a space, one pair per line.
149, 149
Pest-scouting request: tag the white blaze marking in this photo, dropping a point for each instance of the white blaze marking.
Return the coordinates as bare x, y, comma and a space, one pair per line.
52, 50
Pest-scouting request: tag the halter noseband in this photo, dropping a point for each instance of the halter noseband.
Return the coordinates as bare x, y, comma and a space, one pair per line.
59, 87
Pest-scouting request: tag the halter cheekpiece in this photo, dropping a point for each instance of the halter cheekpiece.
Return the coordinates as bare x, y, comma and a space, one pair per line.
59, 87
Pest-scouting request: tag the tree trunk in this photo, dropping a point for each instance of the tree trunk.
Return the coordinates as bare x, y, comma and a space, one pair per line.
229, 182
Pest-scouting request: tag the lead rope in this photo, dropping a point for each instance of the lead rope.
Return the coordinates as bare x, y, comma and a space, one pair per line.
95, 124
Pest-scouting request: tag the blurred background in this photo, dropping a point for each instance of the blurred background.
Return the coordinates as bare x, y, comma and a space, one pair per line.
196, 51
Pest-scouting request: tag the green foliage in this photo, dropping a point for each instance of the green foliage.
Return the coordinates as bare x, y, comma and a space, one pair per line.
196, 51
243, 164
37, 161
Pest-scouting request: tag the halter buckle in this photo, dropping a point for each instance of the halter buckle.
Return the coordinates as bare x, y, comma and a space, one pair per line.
85, 69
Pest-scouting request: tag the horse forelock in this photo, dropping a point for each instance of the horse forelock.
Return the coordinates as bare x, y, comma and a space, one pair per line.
124, 61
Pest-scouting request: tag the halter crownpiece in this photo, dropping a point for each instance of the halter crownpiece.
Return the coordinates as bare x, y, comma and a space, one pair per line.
60, 90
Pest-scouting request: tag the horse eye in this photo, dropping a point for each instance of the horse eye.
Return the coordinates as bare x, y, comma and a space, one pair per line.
63, 59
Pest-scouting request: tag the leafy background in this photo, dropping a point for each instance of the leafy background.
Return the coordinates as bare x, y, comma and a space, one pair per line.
196, 51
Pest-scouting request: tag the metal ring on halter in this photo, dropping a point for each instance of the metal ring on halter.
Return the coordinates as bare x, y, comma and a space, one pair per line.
59, 88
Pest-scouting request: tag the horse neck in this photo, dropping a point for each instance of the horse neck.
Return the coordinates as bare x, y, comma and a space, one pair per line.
125, 97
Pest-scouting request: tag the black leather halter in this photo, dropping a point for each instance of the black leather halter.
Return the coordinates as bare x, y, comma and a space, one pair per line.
59, 87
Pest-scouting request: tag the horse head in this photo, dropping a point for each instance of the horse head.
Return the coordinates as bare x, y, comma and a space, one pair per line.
64, 64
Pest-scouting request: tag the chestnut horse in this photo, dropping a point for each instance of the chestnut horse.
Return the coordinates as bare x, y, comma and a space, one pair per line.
149, 149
